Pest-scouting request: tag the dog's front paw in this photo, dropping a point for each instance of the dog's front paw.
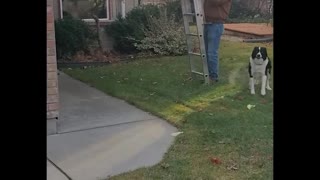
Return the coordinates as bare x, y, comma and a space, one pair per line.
269, 88
263, 93
252, 92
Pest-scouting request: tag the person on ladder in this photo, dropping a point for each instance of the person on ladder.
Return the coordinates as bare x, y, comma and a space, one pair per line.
216, 12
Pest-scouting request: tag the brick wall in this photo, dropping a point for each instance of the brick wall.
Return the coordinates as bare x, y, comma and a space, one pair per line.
52, 81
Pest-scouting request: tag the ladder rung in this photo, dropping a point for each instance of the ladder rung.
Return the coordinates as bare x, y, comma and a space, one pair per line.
196, 72
188, 14
195, 54
192, 34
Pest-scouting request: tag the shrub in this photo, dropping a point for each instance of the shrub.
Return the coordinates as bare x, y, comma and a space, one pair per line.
174, 8
248, 20
165, 37
239, 11
72, 35
124, 30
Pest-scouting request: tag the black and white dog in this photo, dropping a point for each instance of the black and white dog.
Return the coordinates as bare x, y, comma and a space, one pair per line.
259, 67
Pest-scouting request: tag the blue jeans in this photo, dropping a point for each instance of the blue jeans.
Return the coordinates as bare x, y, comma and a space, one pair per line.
212, 34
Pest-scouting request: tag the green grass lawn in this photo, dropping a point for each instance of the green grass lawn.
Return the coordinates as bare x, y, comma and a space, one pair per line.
214, 119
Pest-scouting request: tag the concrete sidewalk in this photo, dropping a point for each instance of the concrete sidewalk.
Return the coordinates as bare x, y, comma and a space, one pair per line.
101, 136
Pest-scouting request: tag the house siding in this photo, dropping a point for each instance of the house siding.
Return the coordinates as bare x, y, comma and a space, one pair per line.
56, 9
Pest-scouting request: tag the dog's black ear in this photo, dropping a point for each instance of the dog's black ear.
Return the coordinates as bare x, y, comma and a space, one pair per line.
264, 52
254, 52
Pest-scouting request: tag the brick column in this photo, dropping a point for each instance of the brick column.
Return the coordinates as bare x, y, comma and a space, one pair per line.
52, 79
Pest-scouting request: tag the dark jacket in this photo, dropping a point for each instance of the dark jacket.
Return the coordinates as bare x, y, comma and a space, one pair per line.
216, 11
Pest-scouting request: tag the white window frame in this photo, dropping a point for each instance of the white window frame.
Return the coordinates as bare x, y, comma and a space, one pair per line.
123, 8
107, 19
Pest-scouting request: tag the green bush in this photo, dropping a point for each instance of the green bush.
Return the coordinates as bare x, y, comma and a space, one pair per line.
174, 8
164, 37
126, 30
248, 20
72, 35
239, 11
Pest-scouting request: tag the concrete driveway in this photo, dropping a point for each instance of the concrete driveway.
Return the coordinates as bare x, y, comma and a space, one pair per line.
100, 136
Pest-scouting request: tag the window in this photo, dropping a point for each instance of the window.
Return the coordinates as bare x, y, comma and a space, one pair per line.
84, 9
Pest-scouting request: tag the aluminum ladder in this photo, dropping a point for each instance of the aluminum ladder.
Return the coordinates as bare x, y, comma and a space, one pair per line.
188, 17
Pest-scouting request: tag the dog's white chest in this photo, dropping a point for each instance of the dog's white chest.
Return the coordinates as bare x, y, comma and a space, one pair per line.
258, 68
